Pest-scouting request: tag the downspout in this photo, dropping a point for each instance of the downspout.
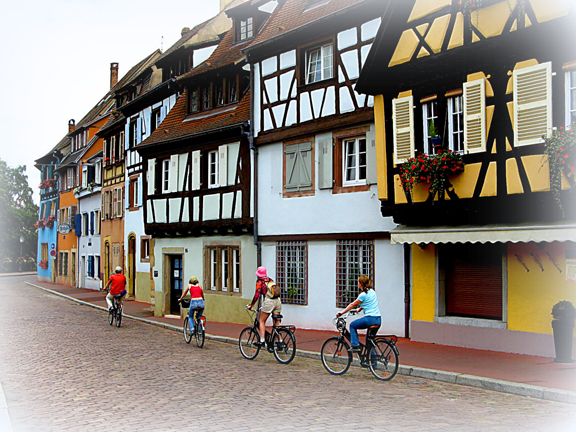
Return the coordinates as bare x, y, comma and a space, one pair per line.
255, 168
407, 285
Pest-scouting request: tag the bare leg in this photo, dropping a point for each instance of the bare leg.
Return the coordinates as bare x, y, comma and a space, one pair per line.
262, 327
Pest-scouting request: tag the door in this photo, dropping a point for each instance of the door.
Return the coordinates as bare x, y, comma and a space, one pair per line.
175, 283
82, 273
73, 271
132, 266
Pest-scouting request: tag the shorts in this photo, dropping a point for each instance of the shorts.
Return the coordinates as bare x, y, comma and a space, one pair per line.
270, 305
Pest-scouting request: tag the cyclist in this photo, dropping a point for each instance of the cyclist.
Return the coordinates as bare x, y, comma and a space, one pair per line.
267, 304
117, 285
368, 301
196, 300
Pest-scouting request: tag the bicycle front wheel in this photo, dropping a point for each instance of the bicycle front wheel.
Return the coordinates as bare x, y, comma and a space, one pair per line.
383, 360
335, 356
247, 343
111, 313
186, 330
200, 335
284, 346
118, 316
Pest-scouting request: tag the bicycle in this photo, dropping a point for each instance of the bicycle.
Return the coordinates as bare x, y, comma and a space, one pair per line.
379, 354
199, 332
280, 340
115, 312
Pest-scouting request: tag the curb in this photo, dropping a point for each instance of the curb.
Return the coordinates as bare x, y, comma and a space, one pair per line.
501, 386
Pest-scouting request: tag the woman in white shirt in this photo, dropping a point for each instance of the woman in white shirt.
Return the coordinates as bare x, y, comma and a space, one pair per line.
367, 301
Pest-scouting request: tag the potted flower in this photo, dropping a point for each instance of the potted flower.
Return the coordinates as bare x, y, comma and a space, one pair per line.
560, 153
39, 224
49, 223
563, 313
436, 140
43, 264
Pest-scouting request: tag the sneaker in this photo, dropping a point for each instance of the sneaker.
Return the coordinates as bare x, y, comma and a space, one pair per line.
354, 349
259, 344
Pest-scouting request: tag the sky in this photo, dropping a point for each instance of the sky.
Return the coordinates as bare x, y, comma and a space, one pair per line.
57, 56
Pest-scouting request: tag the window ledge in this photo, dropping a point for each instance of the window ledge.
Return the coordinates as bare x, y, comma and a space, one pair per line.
471, 322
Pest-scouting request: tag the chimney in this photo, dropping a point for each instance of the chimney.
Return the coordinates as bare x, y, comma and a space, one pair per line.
113, 74
224, 4
184, 31
71, 125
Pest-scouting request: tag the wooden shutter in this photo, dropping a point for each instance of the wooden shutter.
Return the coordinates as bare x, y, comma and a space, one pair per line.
151, 179
292, 175
532, 104
371, 168
223, 165
196, 170
298, 166
121, 145
325, 163
475, 116
173, 174
403, 128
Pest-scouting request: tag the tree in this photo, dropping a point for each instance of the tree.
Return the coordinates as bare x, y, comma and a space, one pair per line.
18, 213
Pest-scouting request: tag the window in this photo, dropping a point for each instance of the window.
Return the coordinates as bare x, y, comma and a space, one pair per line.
44, 251
63, 263
220, 93
155, 120
570, 97
133, 193
473, 283
166, 175
455, 124
319, 64
292, 271
194, 105
298, 168
90, 266
97, 266
224, 268
118, 202
353, 258
133, 139
145, 249
246, 28
213, 169
206, 98
85, 225
354, 161
232, 90
429, 117
69, 183
97, 222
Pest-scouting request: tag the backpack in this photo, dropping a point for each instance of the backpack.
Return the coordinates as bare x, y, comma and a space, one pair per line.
273, 289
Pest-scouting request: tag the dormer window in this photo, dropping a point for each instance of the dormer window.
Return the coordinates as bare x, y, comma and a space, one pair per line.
206, 102
220, 93
232, 90
246, 29
319, 64
194, 106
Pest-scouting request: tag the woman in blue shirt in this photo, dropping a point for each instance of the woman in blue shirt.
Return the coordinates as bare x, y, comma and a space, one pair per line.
368, 301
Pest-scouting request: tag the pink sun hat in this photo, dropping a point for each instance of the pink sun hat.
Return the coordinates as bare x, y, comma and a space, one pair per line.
261, 272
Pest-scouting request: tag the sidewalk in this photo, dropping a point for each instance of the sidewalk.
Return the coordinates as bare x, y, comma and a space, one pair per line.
537, 377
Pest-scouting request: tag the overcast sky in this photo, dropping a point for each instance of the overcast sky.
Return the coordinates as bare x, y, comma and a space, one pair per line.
57, 56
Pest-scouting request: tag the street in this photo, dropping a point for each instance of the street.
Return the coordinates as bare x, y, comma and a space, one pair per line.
63, 368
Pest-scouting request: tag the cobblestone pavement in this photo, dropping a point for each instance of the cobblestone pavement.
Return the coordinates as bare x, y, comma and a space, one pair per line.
63, 368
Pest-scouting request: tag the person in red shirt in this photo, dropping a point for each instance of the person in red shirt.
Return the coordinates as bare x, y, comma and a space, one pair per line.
117, 285
196, 300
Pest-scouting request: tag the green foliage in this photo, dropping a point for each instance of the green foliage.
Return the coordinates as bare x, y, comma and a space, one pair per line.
18, 214
560, 153
564, 310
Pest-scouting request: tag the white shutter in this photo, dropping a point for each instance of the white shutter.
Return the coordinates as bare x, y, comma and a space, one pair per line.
403, 127
223, 165
196, 170
173, 176
113, 148
325, 163
371, 168
475, 116
151, 180
138, 194
532, 104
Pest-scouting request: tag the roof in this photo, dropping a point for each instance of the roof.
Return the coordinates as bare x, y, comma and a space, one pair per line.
178, 125
48, 158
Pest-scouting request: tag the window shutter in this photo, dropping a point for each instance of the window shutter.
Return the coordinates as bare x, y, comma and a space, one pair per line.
138, 194
85, 176
532, 104
305, 161
475, 116
223, 165
292, 174
151, 180
371, 167
403, 128
173, 174
121, 146
78, 224
92, 223
325, 163
196, 170
113, 148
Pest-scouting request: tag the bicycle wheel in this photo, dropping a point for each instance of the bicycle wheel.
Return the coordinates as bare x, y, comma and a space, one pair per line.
284, 346
186, 330
383, 360
111, 313
200, 334
335, 355
119, 316
247, 341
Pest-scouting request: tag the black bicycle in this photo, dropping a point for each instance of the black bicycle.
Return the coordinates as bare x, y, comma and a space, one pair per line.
280, 340
379, 354
115, 312
199, 331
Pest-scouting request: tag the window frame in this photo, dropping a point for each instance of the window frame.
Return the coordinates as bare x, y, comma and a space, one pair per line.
346, 278
570, 100
307, 57
292, 271
455, 130
213, 169
357, 181
145, 248
427, 117
217, 267
165, 175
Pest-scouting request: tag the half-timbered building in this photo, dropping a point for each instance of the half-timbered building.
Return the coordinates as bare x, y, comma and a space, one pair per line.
316, 207
464, 94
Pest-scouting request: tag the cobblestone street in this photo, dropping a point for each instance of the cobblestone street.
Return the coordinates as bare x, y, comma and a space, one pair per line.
63, 368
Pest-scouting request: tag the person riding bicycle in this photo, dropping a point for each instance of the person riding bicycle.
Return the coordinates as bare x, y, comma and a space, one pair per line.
117, 284
196, 300
368, 301
267, 305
